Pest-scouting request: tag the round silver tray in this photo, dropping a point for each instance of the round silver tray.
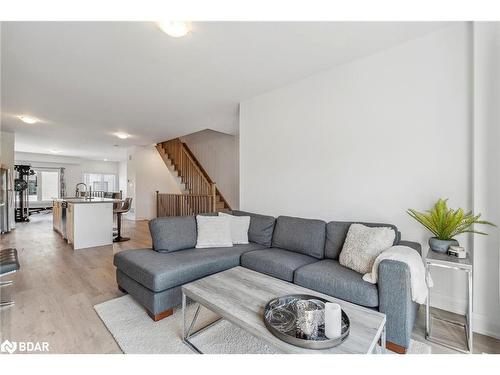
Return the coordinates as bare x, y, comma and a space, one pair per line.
280, 318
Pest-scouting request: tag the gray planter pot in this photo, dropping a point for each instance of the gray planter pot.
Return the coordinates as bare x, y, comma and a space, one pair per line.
441, 246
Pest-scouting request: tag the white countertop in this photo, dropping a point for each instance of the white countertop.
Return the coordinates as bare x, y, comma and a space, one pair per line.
74, 200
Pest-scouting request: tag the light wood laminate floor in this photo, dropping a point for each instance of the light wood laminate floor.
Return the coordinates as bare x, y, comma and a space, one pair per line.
57, 287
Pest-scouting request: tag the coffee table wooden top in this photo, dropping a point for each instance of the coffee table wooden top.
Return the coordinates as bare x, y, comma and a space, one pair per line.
239, 295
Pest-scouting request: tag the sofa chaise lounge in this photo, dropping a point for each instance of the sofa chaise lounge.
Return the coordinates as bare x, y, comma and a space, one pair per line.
297, 250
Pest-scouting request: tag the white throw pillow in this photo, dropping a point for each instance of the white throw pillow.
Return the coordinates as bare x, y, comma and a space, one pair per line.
362, 246
239, 228
213, 231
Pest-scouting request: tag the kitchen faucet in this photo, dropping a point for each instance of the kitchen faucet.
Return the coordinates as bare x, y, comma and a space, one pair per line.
78, 190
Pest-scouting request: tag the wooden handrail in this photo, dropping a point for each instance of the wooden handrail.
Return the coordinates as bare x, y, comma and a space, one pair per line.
195, 179
200, 167
217, 191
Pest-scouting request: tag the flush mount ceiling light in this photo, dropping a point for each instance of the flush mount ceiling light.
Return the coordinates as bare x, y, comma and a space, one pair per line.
122, 135
28, 119
175, 29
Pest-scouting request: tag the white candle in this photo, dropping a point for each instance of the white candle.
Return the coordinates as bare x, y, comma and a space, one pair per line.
333, 320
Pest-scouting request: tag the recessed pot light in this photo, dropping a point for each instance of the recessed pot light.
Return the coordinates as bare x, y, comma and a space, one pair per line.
105, 159
28, 119
122, 135
175, 29
52, 151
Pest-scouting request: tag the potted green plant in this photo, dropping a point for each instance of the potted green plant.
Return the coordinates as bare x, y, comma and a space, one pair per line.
446, 223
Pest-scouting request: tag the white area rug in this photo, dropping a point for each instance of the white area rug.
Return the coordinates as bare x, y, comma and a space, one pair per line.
136, 333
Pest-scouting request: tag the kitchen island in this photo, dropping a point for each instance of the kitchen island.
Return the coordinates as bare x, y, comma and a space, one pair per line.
84, 222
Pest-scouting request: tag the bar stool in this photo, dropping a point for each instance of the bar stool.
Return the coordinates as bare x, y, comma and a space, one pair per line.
119, 211
116, 206
9, 264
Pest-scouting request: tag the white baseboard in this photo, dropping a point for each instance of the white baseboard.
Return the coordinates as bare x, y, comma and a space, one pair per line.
485, 325
480, 323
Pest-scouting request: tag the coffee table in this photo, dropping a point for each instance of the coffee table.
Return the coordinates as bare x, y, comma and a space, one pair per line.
239, 296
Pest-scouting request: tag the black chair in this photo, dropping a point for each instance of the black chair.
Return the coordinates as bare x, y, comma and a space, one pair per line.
9, 264
125, 207
116, 206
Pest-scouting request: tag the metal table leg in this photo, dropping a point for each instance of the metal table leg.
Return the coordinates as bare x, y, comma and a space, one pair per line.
427, 305
187, 330
383, 340
470, 332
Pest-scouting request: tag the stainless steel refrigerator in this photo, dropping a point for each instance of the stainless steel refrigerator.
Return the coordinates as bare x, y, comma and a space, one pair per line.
6, 200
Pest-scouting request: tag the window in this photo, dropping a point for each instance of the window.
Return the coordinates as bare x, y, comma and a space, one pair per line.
33, 187
43, 185
100, 181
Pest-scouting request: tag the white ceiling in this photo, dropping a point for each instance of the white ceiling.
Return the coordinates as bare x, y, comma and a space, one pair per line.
86, 80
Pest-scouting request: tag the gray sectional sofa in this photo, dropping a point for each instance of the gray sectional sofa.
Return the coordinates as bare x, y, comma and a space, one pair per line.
300, 251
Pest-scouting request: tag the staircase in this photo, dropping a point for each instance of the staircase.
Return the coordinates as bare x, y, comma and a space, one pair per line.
199, 192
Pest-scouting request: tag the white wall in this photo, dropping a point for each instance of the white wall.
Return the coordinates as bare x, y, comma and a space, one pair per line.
7, 141
146, 174
218, 153
487, 174
367, 140
74, 167
131, 181
122, 177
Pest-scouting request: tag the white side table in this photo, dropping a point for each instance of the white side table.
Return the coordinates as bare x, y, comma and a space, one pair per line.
436, 259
